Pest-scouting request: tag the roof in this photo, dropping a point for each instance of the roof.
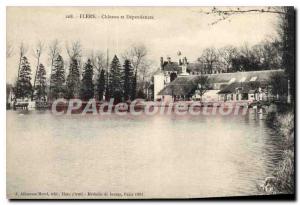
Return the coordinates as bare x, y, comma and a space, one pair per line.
237, 76
171, 66
180, 86
245, 87
158, 72
183, 85
174, 66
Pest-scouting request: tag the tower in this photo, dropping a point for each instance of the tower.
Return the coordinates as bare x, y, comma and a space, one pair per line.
184, 67
159, 79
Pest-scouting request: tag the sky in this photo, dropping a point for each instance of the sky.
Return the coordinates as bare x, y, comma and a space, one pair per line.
172, 29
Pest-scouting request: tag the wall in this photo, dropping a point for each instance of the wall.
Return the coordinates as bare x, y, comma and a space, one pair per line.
158, 85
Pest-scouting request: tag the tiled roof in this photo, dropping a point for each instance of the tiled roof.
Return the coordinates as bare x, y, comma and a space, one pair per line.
183, 85
245, 87
180, 86
171, 66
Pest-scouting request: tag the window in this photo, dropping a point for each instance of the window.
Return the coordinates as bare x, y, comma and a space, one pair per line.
243, 79
244, 96
253, 78
231, 80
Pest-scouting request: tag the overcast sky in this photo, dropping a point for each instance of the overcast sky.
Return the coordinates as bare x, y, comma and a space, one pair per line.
172, 29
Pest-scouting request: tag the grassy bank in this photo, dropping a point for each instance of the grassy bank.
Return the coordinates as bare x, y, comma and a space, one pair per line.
282, 180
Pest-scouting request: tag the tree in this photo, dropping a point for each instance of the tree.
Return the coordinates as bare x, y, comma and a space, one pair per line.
9, 49
40, 88
134, 86
286, 30
98, 61
243, 63
87, 85
267, 54
202, 85
74, 51
101, 84
272, 54
226, 54
137, 55
37, 53
116, 80
209, 58
57, 78
22, 50
278, 84
23, 85
73, 80
226, 14
100, 64
287, 34
54, 51
128, 79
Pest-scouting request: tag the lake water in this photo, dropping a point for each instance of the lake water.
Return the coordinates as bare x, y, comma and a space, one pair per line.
158, 156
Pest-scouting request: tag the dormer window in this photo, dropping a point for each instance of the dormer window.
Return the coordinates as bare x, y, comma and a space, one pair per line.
238, 89
231, 80
242, 79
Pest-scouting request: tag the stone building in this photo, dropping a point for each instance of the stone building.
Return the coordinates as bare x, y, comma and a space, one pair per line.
239, 86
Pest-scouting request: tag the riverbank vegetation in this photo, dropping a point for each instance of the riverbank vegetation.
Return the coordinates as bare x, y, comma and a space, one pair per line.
283, 179
282, 121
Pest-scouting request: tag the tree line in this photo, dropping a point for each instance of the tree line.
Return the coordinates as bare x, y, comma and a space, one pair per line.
263, 56
94, 78
286, 31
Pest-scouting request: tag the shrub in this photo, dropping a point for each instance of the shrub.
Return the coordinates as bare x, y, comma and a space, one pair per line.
282, 181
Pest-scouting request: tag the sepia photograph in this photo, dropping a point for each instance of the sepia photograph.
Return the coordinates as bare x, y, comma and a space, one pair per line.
150, 102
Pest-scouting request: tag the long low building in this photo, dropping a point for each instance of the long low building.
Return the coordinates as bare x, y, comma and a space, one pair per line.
254, 85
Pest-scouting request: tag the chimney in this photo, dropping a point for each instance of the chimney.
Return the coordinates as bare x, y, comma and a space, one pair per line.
169, 59
184, 67
161, 63
180, 62
184, 60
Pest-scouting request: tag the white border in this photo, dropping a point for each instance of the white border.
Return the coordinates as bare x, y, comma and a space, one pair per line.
5, 3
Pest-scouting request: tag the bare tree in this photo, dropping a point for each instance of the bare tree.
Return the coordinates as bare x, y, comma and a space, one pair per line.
98, 60
209, 58
286, 31
268, 54
136, 54
202, 85
227, 13
75, 50
246, 51
145, 70
9, 49
22, 51
54, 50
37, 54
226, 54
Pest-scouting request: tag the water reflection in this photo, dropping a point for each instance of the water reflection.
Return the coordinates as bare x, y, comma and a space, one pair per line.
174, 155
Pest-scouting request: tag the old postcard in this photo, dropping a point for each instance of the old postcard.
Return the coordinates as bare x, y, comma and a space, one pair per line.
150, 102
